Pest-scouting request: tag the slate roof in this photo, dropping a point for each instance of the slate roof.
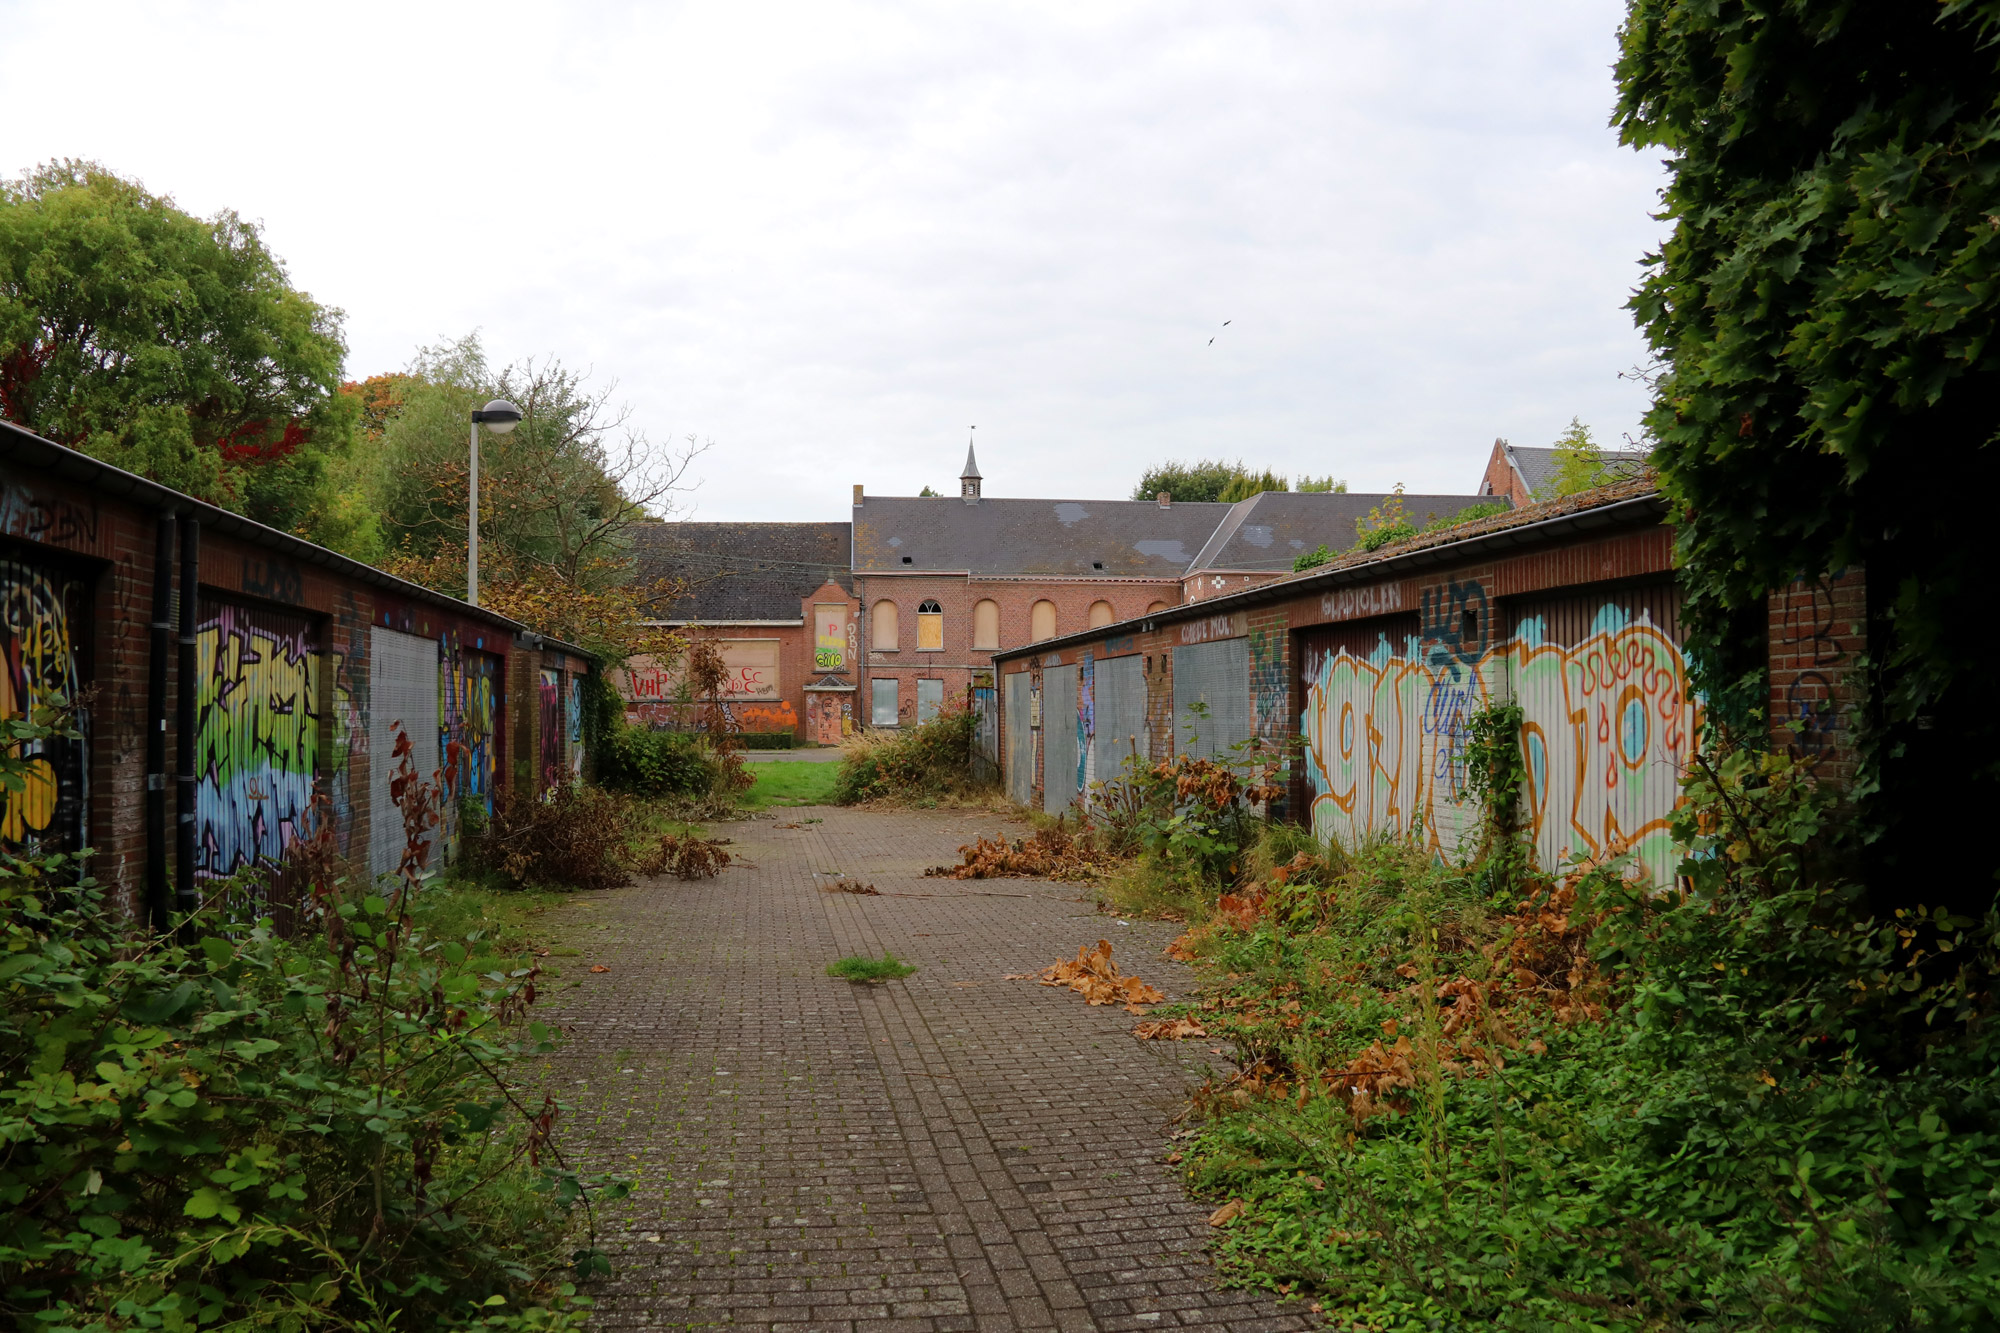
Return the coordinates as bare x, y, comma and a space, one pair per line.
742, 571
1270, 529
1050, 538
1538, 466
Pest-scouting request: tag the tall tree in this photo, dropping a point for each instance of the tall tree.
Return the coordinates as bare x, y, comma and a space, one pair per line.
170, 345
1826, 308
1193, 482
1579, 463
558, 496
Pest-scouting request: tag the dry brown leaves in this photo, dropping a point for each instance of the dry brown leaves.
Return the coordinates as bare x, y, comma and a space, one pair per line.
1169, 1029
1094, 976
850, 886
1052, 853
685, 857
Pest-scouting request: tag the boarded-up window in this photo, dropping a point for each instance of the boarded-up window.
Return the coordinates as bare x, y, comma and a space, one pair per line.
986, 624
930, 627
1042, 622
830, 636
1151, 607
1101, 614
882, 626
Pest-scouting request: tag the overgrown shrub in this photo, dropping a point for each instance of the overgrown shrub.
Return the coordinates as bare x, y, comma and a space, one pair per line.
573, 837
922, 765
1520, 1102
319, 1132
673, 764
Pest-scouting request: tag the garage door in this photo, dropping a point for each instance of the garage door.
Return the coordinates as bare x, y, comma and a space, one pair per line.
1020, 739
1217, 676
1059, 748
1121, 717
402, 687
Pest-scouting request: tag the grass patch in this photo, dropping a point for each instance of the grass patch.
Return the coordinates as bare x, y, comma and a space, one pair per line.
795, 782
858, 968
507, 922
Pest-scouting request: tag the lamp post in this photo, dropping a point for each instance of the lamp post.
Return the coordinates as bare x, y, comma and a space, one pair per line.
498, 416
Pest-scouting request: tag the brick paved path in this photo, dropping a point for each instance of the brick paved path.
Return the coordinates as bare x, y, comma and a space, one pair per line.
949, 1152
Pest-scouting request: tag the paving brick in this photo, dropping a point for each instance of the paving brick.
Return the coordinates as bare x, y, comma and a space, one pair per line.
950, 1153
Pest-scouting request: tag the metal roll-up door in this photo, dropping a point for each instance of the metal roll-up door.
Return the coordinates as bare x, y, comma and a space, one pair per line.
1059, 739
402, 687
1609, 723
1121, 716
257, 734
1020, 739
1216, 675
1362, 687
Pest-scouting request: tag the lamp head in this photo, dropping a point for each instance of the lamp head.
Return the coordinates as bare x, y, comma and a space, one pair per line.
498, 416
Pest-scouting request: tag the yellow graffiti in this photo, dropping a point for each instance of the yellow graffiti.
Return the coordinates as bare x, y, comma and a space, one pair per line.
39, 666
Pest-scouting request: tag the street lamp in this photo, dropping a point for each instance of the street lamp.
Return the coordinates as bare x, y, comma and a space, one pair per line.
498, 416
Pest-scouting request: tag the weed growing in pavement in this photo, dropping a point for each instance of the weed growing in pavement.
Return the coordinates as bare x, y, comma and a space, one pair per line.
922, 766
859, 967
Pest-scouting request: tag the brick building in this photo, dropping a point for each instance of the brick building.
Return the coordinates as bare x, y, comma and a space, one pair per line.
272, 672
948, 581
779, 600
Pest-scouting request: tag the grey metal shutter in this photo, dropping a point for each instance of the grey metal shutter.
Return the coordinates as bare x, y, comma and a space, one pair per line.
930, 698
1020, 739
882, 709
402, 687
1121, 716
1059, 748
1217, 675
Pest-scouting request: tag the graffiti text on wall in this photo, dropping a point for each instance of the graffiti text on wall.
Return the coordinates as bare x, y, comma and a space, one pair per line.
1352, 603
40, 664
1609, 729
256, 737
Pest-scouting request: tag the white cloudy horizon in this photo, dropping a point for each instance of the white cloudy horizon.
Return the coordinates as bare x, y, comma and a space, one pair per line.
830, 238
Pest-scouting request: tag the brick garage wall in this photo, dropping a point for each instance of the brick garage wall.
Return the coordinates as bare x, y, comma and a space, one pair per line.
1818, 633
109, 539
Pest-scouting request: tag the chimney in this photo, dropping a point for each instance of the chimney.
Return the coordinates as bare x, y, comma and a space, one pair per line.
1166, 500
857, 495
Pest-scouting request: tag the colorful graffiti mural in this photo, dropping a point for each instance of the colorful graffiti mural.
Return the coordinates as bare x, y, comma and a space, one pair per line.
38, 607
257, 737
468, 710
1609, 728
552, 728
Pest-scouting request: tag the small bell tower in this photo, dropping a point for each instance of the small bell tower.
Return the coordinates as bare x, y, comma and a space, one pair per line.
968, 480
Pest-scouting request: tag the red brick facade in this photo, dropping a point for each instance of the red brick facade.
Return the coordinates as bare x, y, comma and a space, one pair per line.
1818, 632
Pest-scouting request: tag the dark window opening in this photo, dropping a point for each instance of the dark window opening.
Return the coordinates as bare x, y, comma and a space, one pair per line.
908, 561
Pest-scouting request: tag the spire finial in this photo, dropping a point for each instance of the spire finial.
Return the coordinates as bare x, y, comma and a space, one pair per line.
968, 480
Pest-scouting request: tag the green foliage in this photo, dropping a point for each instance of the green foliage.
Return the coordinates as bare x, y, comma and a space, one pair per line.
1191, 482
643, 762
768, 740
1312, 559
791, 783
1246, 484
1189, 824
1321, 485
1386, 523
860, 967
1469, 514
1747, 1104
319, 1132
1579, 463
928, 494
1496, 768
1825, 306
922, 765
574, 837
170, 345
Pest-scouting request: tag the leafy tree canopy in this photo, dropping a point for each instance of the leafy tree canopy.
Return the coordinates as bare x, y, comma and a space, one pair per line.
170, 345
1579, 463
1825, 306
1216, 479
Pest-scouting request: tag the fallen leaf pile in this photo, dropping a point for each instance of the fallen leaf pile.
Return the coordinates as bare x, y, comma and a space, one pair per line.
686, 857
1169, 1029
1053, 853
850, 886
1094, 976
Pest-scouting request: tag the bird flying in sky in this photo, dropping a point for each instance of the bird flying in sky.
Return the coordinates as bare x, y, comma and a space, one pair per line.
1225, 324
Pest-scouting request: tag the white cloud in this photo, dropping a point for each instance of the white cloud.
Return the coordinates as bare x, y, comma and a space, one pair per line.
832, 236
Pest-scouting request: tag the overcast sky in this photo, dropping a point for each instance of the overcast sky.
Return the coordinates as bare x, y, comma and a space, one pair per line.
832, 237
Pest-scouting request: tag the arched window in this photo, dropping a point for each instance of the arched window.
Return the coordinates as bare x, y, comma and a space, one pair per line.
1042, 622
930, 627
986, 624
882, 627
1151, 607
1100, 614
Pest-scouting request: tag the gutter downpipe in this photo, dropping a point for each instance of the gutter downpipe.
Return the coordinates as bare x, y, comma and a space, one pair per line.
159, 904
187, 900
